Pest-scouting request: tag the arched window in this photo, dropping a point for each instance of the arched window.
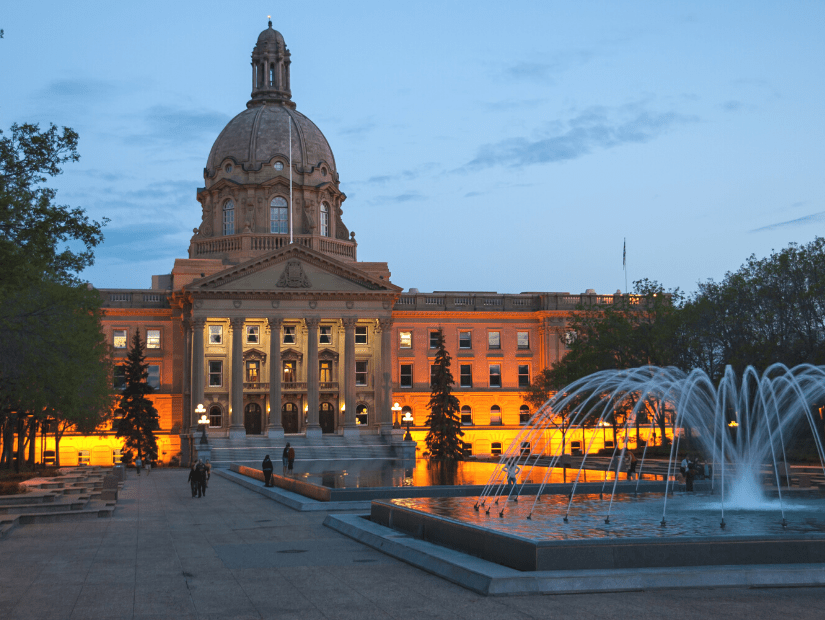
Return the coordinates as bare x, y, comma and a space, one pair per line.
214, 416
524, 414
229, 218
278, 216
324, 219
361, 414
495, 415
466, 415
272, 75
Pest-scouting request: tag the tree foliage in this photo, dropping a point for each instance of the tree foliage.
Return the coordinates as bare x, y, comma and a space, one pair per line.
444, 421
138, 416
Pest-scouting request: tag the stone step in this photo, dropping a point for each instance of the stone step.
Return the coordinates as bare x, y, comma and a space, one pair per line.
39, 508
35, 497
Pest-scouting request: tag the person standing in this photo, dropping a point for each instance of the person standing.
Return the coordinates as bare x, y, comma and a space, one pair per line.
193, 480
631, 465
285, 457
689, 477
200, 477
138, 464
266, 467
208, 471
290, 456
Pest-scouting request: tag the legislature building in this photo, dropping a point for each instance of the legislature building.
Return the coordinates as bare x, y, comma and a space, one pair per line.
282, 334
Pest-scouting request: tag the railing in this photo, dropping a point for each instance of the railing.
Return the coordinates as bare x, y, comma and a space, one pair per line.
527, 302
153, 299
120, 297
255, 386
290, 386
248, 242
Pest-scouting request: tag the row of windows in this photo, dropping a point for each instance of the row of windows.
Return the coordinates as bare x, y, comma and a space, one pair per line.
495, 415
278, 217
253, 372
119, 377
120, 339
252, 334
291, 409
465, 339
465, 377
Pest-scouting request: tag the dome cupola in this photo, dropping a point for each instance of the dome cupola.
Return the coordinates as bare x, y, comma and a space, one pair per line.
270, 70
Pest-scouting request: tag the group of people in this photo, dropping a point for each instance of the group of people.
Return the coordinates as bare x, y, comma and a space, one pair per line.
199, 477
287, 459
692, 467
143, 463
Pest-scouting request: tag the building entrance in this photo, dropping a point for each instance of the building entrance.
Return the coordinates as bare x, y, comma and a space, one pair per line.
252, 419
326, 418
289, 418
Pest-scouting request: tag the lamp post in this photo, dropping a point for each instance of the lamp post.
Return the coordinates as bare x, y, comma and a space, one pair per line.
203, 421
396, 408
407, 419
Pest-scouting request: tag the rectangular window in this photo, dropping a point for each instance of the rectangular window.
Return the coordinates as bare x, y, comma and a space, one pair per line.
215, 334
360, 334
495, 375
523, 340
289, 372
215, 417
119, 377
215, 373
153, 379
495, 447
252, 334
153, 339
523, 375
434, 336
465, 340
119, 339
405, 340
325, 334
494, 340
525, 448
361, 367
406, 376
467, 448
324, 371
466, 376
253, 371
289, 334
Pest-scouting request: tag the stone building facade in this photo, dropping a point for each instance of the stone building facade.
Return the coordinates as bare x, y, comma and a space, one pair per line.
276, 328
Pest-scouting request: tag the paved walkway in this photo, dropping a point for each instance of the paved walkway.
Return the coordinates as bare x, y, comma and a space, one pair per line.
235, 555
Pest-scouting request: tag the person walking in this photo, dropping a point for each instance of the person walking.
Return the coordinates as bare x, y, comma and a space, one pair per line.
266, 467
290, 456
631, 465
208, 471
148, 465
138, 464
193, 480
285, 457
200, 478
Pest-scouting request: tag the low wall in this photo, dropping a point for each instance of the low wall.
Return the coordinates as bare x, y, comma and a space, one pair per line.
313, 491
528, 555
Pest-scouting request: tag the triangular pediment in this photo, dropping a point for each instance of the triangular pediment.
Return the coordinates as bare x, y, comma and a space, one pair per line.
293, 269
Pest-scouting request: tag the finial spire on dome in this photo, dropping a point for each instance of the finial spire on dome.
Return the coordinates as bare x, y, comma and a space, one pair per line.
269, 17
270, 69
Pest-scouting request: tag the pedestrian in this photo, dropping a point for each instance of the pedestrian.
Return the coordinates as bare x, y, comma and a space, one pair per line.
193, 480
684, 466
148, 466
208, 471
266, 467
285, 457
200, 477
631, 465
138, 464
689, 477
290, 459
512, 472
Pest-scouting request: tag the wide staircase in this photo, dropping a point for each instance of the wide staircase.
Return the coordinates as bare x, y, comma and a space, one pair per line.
252, 449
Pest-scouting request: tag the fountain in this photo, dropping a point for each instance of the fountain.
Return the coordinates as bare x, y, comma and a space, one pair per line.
742, 427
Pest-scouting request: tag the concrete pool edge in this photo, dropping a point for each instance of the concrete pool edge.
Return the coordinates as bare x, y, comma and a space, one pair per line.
492, 579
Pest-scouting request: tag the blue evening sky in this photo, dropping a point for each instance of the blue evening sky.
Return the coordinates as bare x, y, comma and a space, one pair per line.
488, 146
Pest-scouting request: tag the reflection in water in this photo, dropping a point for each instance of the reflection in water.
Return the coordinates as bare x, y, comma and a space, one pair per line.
371, 473
631, 517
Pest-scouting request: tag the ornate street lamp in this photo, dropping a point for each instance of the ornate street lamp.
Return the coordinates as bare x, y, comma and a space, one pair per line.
396, 408
407, 419
203, 422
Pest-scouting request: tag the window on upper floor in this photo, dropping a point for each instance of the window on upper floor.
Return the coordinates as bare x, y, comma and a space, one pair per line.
215, 416
523, 414
495, 375
434, 338
466, 416
495, 447
523, 375
361, 370
253, 371
523, 340
215, 334
215, 373
494, 340
324, 371
153, 339
325, 334
278, 216
405, 376
153, 376
360, 334
253, 333
119, 339
229, 218
433, 370
465, 376
325, 231
119, 377
465, 340
495, 415
289, 334
289, 372
405, 340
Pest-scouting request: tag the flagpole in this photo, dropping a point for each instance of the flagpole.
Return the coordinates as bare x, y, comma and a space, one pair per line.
290, 179
624, 265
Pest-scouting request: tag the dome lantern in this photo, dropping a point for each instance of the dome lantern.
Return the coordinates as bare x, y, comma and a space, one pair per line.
270, 70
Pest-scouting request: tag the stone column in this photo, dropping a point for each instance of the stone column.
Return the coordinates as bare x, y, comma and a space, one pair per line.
198, 325
236, 428
384, 397
348, 376
313, 395
275, 428
186, 422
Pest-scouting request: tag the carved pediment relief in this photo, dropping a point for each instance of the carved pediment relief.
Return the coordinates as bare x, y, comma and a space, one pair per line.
328, 354
255, 355
292, 355
293, 276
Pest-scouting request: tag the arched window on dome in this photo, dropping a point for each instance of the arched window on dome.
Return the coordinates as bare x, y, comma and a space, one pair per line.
324, 219
272, 75
229, 218
278, 216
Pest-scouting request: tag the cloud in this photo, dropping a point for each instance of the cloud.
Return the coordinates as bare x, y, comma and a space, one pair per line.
80, 89
173, 124
813, 218
473, 194
594, 129
544, 69
512, 104
732, 106
405, 197
358, 129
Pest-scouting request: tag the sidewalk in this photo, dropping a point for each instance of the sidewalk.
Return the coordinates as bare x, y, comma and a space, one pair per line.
235, 554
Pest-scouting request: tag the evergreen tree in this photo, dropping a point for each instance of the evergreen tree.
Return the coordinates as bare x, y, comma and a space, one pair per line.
138, 417
443, 438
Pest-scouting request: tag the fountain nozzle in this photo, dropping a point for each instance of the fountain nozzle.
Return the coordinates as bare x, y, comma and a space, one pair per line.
607, 520
722, 524
784, 523
663, 523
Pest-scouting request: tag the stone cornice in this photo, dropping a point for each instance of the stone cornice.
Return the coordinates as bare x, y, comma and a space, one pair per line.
167, 312
483, 315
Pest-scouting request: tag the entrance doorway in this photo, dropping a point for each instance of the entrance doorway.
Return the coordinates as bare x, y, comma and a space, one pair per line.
252, 419
289, 418
326, 418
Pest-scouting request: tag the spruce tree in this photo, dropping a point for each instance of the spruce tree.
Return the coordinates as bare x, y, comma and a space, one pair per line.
138, 417
444, 437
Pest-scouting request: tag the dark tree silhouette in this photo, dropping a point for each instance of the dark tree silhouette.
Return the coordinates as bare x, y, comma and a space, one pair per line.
138, 417
444, 437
